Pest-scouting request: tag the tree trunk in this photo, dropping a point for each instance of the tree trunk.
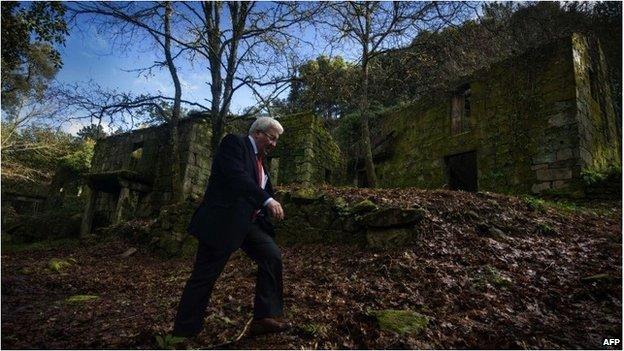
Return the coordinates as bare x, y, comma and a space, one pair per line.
221, 104
212, 14
371, 176
174, 149
217, 131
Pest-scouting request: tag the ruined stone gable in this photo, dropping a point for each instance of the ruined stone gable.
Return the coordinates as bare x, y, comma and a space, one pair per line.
534, 123
130, 174
306, 153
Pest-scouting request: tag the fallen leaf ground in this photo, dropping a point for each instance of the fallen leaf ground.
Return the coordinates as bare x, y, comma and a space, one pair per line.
527, 288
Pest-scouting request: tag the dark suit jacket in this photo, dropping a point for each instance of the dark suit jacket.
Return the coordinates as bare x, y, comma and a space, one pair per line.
224, 216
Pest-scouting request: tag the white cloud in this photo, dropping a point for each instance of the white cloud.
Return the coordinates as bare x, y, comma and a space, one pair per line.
72, 127
188, 86
152, 84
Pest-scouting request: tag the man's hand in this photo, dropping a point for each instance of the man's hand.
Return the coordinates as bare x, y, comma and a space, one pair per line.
275, 210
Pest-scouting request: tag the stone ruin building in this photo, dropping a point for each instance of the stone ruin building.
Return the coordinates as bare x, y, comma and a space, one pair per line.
531, 124
306, 153
23, 197
130, 176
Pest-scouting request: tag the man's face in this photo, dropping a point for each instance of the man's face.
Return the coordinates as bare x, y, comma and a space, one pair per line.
266, 140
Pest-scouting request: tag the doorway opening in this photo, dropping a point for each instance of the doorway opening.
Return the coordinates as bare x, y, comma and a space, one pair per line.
461, 171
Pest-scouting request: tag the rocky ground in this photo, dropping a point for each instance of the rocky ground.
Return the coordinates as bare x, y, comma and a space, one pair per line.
489, 271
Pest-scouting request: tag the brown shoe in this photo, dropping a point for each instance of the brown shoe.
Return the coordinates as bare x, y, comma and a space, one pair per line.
267, 325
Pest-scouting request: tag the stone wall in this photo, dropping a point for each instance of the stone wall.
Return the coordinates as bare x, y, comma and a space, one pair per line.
317, 217
524, 125
305, 154
313, 216
131, 174
599, 142
196, 158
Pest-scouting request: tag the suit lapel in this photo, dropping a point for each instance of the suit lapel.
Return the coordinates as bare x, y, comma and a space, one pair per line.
252, 158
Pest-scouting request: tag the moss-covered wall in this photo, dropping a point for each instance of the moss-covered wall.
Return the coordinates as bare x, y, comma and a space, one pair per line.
144, 152
306, 153
196, 158
599, 142
523, 127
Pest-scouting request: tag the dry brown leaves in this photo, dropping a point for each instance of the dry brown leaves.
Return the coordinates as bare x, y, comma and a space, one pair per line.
539, 301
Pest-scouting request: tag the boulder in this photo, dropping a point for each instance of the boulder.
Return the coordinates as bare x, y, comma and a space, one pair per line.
340, 206
319, 214
349, 224
175, 244
364, 206
305, 196
393, 217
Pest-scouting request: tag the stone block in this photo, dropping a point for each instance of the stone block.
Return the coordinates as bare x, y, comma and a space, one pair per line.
544, 158
560, 119
539, 166
564, 154
586, 157
539, 187
393, 217
558, 184
554, 174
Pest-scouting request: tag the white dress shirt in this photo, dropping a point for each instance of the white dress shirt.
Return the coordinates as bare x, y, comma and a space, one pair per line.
265, 178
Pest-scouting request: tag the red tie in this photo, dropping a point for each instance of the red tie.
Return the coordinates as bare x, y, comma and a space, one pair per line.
260, 170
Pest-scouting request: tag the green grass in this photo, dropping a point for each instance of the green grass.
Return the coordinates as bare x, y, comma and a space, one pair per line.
568, 206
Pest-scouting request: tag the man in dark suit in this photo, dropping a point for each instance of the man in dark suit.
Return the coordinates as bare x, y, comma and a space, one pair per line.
232, 215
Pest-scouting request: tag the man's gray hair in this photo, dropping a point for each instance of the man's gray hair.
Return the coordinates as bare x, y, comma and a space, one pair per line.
262, 124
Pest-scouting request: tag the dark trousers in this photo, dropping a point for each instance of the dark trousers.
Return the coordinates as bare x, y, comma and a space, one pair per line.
209, 264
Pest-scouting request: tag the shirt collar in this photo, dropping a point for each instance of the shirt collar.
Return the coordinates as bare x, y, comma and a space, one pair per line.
253, 143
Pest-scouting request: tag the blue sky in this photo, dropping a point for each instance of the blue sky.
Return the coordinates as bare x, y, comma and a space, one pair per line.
89, 55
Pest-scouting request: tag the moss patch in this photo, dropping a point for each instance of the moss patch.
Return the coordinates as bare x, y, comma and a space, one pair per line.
545, 229
57, 264
364, 206
401, 321
306, 195
76, 299
489, 275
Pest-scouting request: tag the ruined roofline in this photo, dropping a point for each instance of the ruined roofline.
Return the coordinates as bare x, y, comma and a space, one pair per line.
444, 91
185, 120
529, 52
196, 117
12, 185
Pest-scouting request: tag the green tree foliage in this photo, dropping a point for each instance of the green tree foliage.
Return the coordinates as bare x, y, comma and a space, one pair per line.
78, 160
325, 85
92, 131
437, 59
36, 151
29, 59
